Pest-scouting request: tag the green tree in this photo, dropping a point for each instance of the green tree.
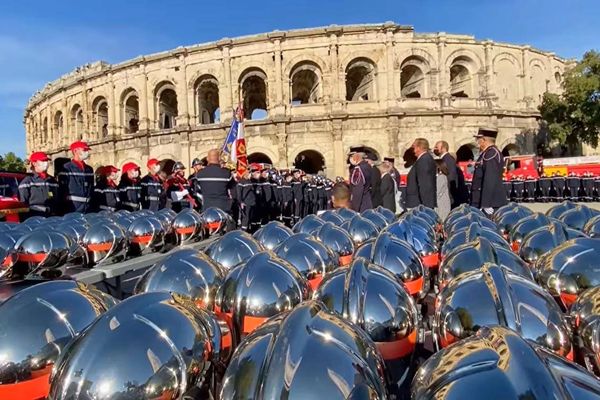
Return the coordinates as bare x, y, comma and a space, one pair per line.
574, 116
10, 162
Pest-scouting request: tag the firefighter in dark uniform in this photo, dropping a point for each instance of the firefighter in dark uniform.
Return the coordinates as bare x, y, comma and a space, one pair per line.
530, 188
106, 193
574, 182
508, 187
130, 187
287, 199
39, 191
216, 183
545, 184
178, 189
193, 181
559, 183
487, 191
519, 188
152, 187
360, 183
596, 190
76, 180
298, 194
587, 186
268, 197
247, 200
257, 186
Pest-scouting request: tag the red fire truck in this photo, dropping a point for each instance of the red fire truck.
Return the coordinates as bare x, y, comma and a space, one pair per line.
10, 206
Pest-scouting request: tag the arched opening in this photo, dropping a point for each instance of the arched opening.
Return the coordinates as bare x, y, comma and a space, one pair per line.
260, 158
77, 121
253, 86
412, 78
461, 79
58, 124
310, 161
130, 105
360, 80
557, 78
45, 130
539, 84
305, 84
466, 152
166, 105
206, 92
100, 107
511, 149
166, 165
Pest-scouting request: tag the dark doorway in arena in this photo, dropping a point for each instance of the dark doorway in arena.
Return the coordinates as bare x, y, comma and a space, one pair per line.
260, 158
167, 165
465, 153
59, 164
510, 149
310, 161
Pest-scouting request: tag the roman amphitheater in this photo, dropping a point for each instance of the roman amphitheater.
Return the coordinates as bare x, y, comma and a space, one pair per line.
308, 96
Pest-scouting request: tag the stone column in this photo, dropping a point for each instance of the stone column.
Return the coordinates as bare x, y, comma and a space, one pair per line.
282, 147
277, 108
226, 86
144, 102
183, 117
87, 128
393, 131
339, 158
525, 75
389, 65
114, 126
337, 76
66, 129
444, 80
488, 89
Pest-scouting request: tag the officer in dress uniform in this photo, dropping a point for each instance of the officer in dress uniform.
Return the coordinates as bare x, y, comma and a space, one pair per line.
360, 182
195, 191
216, 183
268, 197
130, 187
298, 194
487, 191
178, 189
247, 200
39, 191
152, 187
106, 193
76, 180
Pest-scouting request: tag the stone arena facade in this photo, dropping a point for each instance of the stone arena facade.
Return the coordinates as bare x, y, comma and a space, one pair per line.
309, 95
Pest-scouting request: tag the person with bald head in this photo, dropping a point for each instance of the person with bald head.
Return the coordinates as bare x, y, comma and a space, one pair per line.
216, 183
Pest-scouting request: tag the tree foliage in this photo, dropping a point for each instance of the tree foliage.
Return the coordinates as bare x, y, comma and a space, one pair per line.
10, 162
574, 116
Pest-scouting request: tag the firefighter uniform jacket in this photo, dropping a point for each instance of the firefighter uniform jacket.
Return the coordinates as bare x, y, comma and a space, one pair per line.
247, 199
298, 197
360, 183
75, 186
487, 190
215, 183
39, 192
131, 193
178, 192
106, 196
152, 190
195, 190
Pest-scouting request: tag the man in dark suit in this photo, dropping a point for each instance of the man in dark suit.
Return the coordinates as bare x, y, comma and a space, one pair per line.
360, 181
456, 179
487, 190
421, 180
375, 181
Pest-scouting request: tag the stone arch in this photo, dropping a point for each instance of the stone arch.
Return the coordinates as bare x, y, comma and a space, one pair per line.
264, 150
77, 125
310, 161
417, 53
537, 79
360, 80
476, 61
45, 136
511, 149
412, 77
302, 58
100, 116
259, 157
206, 99
462, 77
166, 106
130, 110
466, 152
306, 83
58, 125
254, 92
507, 69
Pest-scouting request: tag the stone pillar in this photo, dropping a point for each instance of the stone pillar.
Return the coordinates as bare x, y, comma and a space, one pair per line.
339, 158
183, 112
525, 75
488, 68
114, 126
393, 132
87, 128
282, 147
337, 75
66, 129
389, 65
444, 79
184, 145
226, 87
144, 102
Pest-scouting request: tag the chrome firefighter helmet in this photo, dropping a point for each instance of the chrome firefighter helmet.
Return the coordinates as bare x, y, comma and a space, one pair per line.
346, 214
493, 295
542, 240
37, 324
507, 366
215, 221
376, 218
459, 212
387, 214
361, 229
398, 257
42, 249
569, 269
470, 233
187, 226
592, 227
365, 249
467, 221
233, 248
338, 241
426, 213
272, 234
150, 346
557, 210
146, 235
524, 226
310, 257
422, 240
105, 242
186, 272
473, 255
372, 298
308, 353
331, 216
259, 289
504, 209
577, 217
585, 318
309, 224
507, 220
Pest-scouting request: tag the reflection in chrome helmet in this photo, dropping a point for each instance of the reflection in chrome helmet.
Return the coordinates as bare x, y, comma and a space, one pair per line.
42, 249
309, 224
361, 229
272, 234
469, 234
105, 242
557, 210
146, 234
338, 241
187, 226
585, 316
577, 217
233, 248
215, 221
542, 240
376, 218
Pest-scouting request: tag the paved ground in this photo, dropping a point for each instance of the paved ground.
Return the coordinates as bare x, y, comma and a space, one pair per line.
543, 207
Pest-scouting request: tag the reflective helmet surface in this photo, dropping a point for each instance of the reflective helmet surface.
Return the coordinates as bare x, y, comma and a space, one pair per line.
506, 221
570, 268
459, 212
258, 289
364, 250
331, 216
309, 224
470, 220
361, 229
187, 226
346, 214
104, 242
557, 210
338, 241
497, 363
37, 323
233, 248
376, 218
386, 213
308, 353
542, 240
493, 295
186, 272
505, 209
469, 234
44, 249
577, 217
146, 234
524, 226
592, 227
150, 346
372, 298
421, 239
399, 258
272, 234
585, 316
310, 257
215, 221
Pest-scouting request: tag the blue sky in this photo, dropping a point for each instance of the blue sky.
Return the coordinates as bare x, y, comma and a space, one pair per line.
40, 39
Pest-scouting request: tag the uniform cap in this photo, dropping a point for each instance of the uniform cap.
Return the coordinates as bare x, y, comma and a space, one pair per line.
196, 161
487, 132
178, 165
129, 166
151, 162
79, 145
38, 156
255, 167
109, 169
